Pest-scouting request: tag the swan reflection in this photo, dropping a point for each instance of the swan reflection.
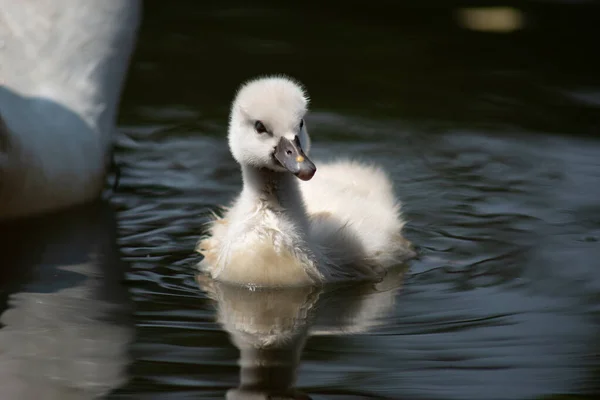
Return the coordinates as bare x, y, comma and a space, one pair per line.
270, 326
65, 312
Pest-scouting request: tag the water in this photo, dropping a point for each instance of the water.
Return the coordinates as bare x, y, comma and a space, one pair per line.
491, 143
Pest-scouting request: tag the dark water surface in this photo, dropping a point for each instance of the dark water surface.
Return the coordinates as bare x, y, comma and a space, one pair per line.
491, 140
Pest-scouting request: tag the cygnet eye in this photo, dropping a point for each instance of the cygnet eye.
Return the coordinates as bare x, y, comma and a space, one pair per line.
260, 127
301, 124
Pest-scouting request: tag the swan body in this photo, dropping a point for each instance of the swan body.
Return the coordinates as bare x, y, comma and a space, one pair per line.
292, 225
62, 66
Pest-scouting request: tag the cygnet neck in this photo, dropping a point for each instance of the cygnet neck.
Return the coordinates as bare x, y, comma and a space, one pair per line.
278, 191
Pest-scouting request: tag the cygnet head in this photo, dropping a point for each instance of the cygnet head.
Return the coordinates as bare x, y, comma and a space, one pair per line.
267, 129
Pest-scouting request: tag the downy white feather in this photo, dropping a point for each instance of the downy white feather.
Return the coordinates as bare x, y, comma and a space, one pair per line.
342, 224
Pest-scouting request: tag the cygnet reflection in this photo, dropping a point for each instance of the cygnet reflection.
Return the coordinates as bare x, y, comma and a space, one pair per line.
270, 326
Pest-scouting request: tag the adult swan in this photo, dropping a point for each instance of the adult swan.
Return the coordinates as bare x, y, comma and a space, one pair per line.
62, 67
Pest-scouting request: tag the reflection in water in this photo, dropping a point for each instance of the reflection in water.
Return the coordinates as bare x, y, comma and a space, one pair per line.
65, 311
270, 326
492, 19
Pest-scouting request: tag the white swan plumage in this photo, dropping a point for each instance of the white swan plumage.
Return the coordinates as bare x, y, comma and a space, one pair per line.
295, 223
62, 66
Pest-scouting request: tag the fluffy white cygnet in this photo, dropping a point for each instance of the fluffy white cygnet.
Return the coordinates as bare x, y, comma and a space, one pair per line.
295, 223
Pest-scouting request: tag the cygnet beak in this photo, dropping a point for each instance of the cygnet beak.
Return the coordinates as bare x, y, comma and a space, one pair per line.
291, 156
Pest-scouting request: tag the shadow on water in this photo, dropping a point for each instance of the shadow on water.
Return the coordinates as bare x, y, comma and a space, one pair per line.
65, 313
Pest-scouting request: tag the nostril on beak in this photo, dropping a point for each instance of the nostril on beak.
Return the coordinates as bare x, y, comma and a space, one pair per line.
289, 152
